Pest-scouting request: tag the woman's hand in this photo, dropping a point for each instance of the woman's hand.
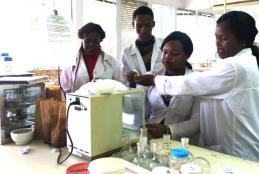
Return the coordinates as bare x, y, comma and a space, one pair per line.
145, 80
156, 130
131, 78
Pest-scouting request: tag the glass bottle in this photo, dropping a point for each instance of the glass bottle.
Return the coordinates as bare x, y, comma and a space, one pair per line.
127, 152
178, 157
165, 151
166, 146
154, 160
139, 160
143, 137
185, 142
143, 140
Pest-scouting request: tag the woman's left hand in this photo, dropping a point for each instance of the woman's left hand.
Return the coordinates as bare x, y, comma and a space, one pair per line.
156, 130
145, 80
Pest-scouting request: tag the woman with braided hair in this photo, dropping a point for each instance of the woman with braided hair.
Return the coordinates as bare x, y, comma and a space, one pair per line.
91, 62
229, 91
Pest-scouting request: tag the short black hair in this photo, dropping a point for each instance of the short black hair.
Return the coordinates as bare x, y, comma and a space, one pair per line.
183, 38
143, 10
90, 28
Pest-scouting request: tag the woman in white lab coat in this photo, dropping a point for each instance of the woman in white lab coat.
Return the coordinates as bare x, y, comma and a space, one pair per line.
229, 92
178, 115
144, 54
91, 62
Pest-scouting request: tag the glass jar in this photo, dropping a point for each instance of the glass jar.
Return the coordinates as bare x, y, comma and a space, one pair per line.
177, 158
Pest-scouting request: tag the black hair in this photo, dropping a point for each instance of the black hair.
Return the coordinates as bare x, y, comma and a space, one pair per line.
184, 39
143, 10
90, 28
243, 26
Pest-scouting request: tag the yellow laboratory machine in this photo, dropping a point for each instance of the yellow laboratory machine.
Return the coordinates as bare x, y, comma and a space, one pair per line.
99, 125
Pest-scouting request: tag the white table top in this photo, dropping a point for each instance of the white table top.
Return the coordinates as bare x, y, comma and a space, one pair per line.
220, 162
42, 160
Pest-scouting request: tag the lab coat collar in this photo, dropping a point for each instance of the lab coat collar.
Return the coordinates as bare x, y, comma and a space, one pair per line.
133, 49
103, 56
162, 72
239, 56
80, 56
156, 48
245, 51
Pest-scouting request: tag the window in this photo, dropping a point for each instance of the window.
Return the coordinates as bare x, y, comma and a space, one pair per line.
128, 34
37, 34
205, 46
103, 12
197, 25
165, 18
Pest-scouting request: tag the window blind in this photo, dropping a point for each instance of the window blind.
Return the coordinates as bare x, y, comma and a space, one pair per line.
128, 34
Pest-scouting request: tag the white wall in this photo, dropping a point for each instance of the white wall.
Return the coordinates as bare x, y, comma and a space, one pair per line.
198, 4
175, 3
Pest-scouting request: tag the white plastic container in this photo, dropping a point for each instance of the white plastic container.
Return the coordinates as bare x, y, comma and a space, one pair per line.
108, 165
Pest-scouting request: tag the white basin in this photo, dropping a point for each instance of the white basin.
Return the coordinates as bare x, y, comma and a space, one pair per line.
22, 136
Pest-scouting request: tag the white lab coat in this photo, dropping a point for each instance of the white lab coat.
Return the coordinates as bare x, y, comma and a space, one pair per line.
132, 59
229, 112
73, 77
181, 115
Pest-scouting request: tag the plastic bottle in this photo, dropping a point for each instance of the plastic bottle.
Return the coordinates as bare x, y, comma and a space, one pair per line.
2, 62
177, 158
8, 61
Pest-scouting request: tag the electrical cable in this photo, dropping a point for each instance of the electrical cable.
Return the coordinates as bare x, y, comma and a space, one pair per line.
59, 81
76, 102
